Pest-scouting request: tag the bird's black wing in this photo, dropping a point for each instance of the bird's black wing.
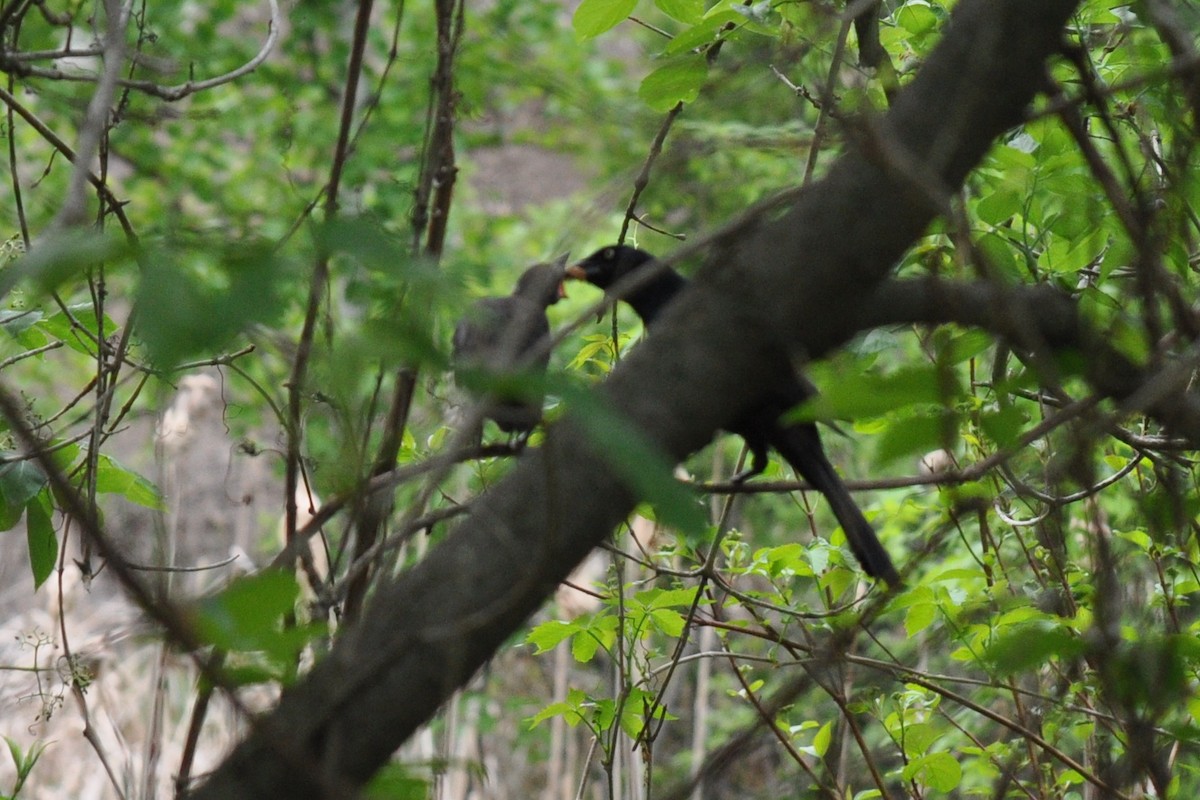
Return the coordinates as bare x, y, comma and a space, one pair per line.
763, 426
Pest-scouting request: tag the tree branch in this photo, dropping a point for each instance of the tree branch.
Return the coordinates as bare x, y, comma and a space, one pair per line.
791, 282
1043, 314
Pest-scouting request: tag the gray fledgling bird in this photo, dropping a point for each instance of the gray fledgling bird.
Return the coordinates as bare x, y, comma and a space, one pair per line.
504, 337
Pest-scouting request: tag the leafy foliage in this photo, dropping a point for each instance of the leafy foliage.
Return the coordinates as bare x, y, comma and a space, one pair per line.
1044, 641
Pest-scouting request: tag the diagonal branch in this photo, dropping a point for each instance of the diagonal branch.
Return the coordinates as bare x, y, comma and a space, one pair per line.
790, 282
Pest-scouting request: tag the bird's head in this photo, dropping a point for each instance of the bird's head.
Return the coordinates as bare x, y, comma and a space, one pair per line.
608, 265
543, 283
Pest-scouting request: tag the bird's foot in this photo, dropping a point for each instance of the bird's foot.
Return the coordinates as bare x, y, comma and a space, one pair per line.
745, 475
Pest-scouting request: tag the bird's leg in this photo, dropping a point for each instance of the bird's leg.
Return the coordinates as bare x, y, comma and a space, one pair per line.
758, 463
518, 441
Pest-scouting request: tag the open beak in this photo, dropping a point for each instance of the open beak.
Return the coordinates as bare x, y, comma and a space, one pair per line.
577, 272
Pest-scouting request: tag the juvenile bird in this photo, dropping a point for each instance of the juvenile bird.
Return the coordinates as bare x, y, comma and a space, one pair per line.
500, 338
761, 426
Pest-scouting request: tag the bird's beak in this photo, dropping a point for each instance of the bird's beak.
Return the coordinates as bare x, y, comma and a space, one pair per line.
577, 272
562, 290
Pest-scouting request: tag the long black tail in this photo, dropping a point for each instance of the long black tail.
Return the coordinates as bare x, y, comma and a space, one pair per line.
801, 446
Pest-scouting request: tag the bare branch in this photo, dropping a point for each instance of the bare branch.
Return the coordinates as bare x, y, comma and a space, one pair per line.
16, 63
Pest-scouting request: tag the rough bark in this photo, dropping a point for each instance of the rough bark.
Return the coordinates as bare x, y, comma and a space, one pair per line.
791, 283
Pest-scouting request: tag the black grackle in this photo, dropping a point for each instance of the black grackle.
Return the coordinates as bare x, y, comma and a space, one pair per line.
762, 428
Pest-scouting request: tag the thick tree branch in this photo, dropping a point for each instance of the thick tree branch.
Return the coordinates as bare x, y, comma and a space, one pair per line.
1044, 315
794, 280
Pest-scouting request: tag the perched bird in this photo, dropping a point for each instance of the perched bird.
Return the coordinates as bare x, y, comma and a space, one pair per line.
762, 427
503, 337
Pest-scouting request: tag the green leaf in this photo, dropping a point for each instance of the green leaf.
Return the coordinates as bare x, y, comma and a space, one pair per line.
17, 321
567, 711
24, 762
870, 394
919, 738
688, 11
1002, 256
595, 632
113, 478
584, 648
820, 743
40, 535
572, 710
702, 33
790, 558
919, 617
594, 17
916, 17
665, 598
1031, 645
248, 616
938, 771
1003, 426
639, 705
605, 713
999, 205
20, 481
914, 433
639, 463
550, 634
61, 327
668, 621
396, 782
677, 81
59, 258
966, 345
193, 302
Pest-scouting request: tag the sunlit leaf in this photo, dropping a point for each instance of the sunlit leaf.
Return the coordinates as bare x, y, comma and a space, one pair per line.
916, 17
821, 741
550, 634
919, 617
565, 710
594, 17
939, 771
595, 632
668, 621
688, 11
664, 598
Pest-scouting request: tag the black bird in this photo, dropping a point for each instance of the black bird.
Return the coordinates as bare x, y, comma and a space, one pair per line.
761, 426
502, 337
